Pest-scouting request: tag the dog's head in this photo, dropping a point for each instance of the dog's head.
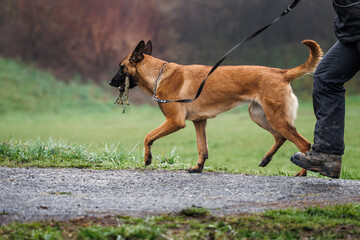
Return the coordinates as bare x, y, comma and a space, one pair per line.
127, 67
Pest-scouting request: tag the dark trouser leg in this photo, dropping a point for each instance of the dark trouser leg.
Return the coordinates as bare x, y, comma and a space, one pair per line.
338, 66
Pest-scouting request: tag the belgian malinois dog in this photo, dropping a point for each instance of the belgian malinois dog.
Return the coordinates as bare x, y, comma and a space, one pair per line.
272, 104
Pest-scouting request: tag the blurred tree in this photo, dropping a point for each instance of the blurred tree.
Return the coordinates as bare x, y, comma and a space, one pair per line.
89, 37
82, 36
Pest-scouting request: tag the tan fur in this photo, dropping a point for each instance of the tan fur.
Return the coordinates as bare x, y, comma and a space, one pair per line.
272, 104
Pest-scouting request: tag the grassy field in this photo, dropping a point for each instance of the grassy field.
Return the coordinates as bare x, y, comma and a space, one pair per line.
340, 222
36, 110
46, 123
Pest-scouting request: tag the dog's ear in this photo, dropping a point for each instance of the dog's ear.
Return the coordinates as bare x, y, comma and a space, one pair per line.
138, 53
148, 48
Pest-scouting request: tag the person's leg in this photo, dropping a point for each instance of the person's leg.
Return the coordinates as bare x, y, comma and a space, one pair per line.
338, 66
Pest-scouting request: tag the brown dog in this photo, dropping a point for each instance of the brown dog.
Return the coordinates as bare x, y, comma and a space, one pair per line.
272, 104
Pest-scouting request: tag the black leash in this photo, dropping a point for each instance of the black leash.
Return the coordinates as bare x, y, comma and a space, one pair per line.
219, 62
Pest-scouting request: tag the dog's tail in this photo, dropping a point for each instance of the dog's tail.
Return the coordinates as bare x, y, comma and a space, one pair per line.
309, 67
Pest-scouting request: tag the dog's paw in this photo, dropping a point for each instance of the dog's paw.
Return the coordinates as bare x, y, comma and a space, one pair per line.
148, 160
302, 173
265, 161
195, 170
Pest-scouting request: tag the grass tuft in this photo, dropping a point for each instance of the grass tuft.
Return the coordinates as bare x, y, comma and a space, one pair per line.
3, 213
195, 212
53, 153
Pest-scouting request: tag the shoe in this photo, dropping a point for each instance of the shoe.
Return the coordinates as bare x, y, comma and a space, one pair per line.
328, 165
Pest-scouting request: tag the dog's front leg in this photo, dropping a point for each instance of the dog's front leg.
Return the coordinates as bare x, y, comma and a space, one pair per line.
169, 126
200, 128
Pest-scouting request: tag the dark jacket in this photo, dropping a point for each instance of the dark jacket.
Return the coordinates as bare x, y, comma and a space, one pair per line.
347, 21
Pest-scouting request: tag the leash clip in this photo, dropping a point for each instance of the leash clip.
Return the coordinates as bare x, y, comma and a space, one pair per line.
287, 10
290, 7
158, 100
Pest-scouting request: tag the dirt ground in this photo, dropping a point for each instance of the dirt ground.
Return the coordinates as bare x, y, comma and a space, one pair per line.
31, 194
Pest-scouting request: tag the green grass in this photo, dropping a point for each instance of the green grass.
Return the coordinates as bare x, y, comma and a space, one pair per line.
53, 153
58, 154
25, 89
195, 212
334, 222
38, 113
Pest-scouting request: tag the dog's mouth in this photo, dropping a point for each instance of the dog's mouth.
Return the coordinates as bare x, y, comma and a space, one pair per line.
118, 81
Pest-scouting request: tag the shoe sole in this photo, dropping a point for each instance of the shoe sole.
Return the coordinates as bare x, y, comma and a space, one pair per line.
325, 171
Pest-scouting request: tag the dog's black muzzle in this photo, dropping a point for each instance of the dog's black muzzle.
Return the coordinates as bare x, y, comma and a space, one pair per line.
118, 80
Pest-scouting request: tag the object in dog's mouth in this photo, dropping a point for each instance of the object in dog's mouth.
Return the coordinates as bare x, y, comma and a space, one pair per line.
123, 98
122, 87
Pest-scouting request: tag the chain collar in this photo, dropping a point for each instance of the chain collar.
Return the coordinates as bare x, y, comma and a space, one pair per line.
156, 85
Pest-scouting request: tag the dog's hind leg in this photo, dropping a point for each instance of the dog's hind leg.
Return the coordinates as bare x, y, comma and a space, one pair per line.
257, 114
281, 123
200, 128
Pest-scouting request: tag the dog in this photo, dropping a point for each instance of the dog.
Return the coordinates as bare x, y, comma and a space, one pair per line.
272, 104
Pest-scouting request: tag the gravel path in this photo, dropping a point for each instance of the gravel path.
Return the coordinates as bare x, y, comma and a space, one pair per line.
31, 194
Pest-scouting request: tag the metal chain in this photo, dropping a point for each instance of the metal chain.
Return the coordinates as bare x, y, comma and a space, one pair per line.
157, 82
